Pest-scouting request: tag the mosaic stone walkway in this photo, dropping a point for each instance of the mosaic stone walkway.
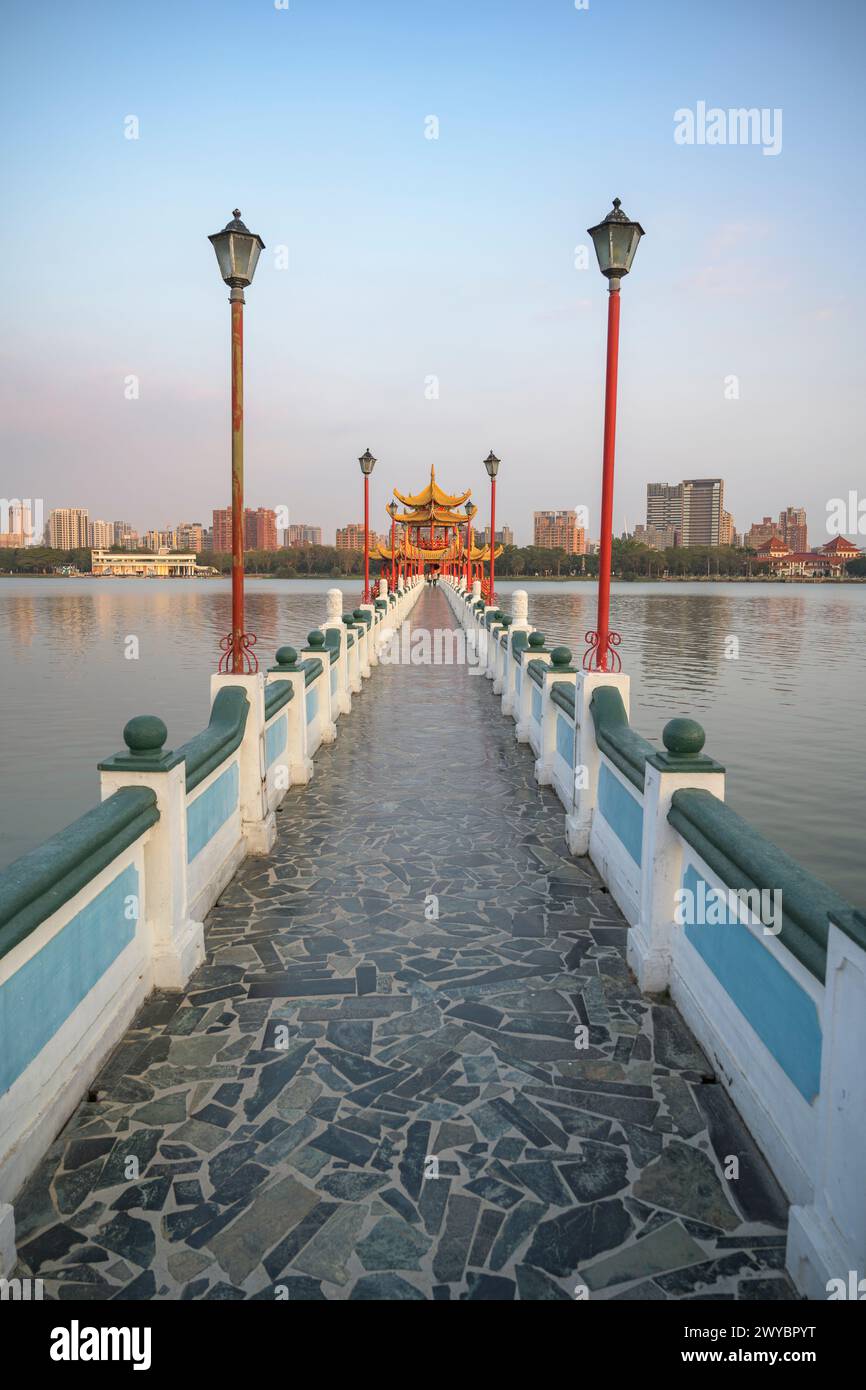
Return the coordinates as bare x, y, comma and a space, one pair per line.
288, 1137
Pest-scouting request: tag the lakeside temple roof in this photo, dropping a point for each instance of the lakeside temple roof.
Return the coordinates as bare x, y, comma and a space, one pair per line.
433, 510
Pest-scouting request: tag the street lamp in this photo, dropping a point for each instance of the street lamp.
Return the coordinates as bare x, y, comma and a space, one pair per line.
237, 252
491, 463
615, 240
470, 512
392, 509
367, 463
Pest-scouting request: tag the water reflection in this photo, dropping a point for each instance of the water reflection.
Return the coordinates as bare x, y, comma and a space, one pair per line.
784, 716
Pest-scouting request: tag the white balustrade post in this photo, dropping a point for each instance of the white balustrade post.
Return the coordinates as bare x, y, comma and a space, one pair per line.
258, 822
176, 941
342, 703
587, 757
299, 762
826, 1255
650, 946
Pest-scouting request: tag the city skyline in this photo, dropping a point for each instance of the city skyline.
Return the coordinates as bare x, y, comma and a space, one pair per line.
666, 507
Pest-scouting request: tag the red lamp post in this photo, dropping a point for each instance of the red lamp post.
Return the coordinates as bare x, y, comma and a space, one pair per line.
491, 463
615, 240
392, 508
367, 462
470, 512
237, 252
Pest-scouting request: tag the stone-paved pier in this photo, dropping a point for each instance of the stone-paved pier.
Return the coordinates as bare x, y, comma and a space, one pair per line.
264, 1136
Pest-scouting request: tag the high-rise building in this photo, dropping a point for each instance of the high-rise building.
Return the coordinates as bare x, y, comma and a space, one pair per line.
189, 535
687, 513
101, 534
790, 528
760, 532
16, 525
260, 529
68, 528
155, 541
222, 531
664, 514
703, 504
503, 537
123, 530
351, 536
793, 528
302, 535
727, 532
558, 531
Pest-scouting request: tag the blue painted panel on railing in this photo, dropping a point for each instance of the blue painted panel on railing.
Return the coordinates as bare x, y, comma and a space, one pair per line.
782, 1014
37, 1000
518, 678
333, 680
312, 704
211, 810
275, 739
536, 706
623, 813
565, 739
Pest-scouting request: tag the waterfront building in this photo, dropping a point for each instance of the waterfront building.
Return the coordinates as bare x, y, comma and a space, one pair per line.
164, 564
558, 530
829, 561
300, 534
68, 528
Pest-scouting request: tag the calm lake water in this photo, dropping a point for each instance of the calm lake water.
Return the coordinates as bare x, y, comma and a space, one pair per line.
785, 716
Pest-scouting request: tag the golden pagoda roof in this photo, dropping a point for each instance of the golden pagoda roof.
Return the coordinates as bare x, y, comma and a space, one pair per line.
432, 512
432, 493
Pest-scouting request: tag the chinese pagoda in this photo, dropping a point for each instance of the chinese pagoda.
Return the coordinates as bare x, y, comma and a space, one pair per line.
433, 537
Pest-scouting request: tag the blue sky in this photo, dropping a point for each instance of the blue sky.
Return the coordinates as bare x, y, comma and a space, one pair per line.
411, 258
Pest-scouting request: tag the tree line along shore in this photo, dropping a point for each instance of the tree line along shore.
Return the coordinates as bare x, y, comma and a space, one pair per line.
630, 561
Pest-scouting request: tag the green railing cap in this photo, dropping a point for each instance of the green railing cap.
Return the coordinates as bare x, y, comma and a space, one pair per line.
536, 639
286, 656
316, 639
144, 736
560, 656
683, 740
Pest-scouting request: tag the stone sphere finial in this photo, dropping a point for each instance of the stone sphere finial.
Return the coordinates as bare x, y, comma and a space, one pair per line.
286, 656
316, 638
145, 734
684, 738
536, 639
560, 656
